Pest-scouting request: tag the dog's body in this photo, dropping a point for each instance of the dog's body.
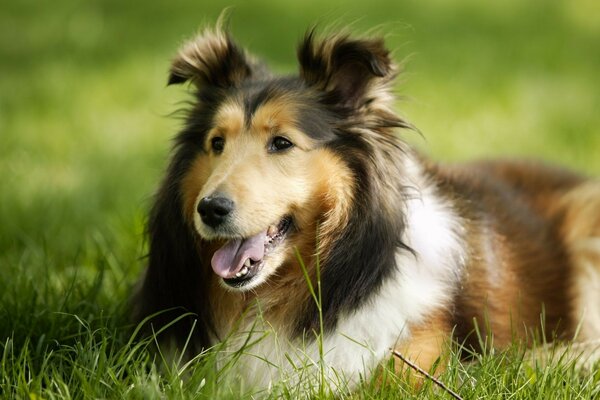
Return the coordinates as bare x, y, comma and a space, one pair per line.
276, 180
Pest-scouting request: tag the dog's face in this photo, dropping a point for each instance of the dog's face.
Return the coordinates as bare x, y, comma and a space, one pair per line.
257, 188
268, 173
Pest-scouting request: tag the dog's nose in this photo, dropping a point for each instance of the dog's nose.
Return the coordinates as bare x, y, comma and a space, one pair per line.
214, 209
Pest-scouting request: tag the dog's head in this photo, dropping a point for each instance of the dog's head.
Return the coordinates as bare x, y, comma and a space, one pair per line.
270, 165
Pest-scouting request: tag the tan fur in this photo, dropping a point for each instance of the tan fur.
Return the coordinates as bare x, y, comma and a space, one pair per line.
191, 185
228, 122
492, 291
581, 229
279, 117
329, 205
428, 344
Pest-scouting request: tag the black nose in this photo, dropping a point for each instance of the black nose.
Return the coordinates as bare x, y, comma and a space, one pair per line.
214, 209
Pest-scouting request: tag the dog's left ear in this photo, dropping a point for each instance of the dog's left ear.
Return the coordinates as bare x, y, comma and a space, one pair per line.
350, 71
210, 59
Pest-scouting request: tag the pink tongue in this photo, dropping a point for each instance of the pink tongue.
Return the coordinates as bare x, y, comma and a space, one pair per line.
229, 259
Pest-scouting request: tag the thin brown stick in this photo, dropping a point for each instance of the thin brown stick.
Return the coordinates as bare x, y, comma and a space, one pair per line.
427, 375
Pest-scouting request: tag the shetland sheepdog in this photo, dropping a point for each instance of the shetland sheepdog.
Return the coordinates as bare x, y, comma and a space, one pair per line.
295, 226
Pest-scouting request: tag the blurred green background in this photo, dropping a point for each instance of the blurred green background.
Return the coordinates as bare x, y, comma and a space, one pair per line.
85, 121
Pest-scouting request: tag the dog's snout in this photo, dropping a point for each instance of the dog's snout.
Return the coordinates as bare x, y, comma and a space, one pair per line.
215, 209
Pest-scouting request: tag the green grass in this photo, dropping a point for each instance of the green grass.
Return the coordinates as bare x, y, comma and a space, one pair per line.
84, 138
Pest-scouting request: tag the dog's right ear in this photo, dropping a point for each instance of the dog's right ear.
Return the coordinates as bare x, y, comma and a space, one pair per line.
210, 59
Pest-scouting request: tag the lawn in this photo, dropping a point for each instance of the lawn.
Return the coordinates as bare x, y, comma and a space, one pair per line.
85, 128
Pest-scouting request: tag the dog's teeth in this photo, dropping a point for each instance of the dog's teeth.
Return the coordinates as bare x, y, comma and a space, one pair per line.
247, 263
239, 274
244, 271
272, 230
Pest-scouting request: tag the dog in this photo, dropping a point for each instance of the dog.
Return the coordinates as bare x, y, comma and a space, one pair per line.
295, 226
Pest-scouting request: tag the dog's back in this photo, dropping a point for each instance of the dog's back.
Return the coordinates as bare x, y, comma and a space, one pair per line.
534, 234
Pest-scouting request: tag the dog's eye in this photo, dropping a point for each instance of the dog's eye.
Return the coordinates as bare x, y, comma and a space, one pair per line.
217, 143
279, 143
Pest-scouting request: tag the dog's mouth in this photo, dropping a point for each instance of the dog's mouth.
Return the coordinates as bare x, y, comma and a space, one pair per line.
239, 260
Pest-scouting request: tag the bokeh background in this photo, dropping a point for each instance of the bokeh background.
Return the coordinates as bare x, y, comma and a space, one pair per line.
85, 123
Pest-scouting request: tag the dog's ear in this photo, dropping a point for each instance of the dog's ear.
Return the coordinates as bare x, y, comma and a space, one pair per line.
210, 59
351, 71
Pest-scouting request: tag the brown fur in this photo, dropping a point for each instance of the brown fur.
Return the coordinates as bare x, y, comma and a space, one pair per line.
429, 343
580, 210
520, 263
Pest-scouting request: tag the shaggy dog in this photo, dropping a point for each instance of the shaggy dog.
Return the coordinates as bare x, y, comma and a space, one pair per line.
295, 225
